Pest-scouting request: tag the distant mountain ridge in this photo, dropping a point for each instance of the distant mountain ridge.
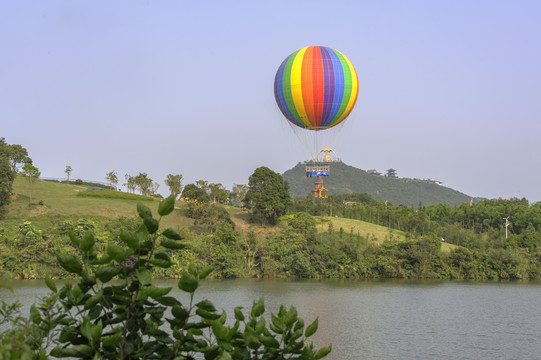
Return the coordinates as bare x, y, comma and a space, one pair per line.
345, 179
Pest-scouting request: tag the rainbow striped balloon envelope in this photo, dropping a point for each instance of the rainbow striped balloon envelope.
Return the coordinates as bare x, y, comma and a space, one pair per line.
316, 87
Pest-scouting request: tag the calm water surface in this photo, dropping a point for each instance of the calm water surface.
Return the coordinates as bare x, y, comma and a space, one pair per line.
389, 319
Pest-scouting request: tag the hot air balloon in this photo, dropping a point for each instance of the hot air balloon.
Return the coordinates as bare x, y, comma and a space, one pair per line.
316, 88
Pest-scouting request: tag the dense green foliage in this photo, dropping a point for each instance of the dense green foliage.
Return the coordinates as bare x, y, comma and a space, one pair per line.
4, 184
297, 249
267, 195
347, 179
115, 312
12, 157
112, 194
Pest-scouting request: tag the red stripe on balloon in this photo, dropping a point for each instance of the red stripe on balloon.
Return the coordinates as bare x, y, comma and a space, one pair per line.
318, 85
307, 85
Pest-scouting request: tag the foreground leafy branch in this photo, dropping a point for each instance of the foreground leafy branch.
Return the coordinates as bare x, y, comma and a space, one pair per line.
115, 312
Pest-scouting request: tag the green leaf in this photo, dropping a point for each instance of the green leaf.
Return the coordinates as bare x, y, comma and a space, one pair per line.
70, 263
97, 330
207, 315
258, 308
238, 313
151, 224
179, 312
291, 317
73, 237
93, 300
113, 339
87, 242
225, 356
130, 240
206, 305
173, 245
86, 329
311, 329
220, 331
160, 263
155, 292
166, 206
50, 284
270, 342
323, 352
172, 234
143, 210
188, 283
205, 272
81, 351
167, 301
106, 273
116, 253
162, 256
144, 276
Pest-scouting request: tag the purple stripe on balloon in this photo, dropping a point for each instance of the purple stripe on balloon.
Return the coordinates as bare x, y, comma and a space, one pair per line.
328, 72
339, 86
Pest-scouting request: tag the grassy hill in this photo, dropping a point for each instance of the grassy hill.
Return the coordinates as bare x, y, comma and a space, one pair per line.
64, 201
375, 234
346, 179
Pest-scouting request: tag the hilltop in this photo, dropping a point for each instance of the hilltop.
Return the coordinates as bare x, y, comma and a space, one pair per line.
346, 179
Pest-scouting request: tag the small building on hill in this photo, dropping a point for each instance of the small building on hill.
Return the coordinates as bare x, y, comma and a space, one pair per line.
374, 172
391, 173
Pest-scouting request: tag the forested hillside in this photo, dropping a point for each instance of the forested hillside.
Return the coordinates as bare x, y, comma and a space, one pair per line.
346, 179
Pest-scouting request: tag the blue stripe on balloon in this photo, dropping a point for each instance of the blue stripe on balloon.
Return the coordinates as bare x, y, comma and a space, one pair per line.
339, 86
279, 92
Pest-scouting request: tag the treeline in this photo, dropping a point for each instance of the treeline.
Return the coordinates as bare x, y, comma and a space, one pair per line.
294, 249
473, 225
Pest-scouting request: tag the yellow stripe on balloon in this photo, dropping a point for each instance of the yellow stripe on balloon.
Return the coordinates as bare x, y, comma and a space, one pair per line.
354, 90
296, 86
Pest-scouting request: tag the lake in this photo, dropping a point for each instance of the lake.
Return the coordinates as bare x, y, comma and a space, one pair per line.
388, 319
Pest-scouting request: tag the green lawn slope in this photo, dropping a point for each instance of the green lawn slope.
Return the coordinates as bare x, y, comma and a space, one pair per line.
64, 201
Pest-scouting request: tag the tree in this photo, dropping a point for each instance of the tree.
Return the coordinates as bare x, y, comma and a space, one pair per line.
304, 224
193, 192
144, 184
68, 172
204, 185
268, 195
4, 183
112, 178
218, 193
130, 183
16, 156
174, 182
238, 194
32, 174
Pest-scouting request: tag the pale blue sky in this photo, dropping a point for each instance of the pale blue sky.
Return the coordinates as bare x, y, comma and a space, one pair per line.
449, 90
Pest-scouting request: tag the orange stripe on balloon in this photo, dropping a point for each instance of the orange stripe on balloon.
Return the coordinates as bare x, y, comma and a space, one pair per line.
318, 86
307, 85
